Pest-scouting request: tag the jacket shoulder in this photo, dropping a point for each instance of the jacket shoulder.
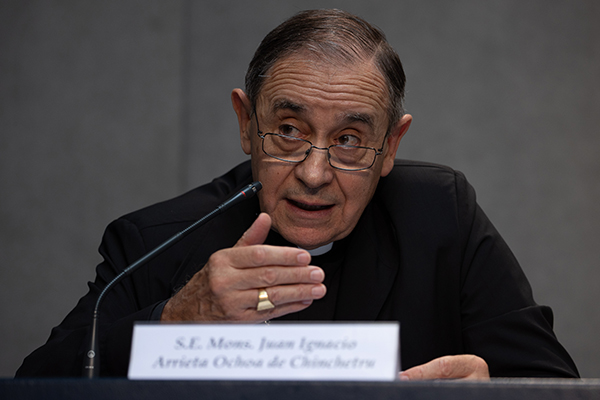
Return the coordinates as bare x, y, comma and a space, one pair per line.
426, 199
193, 204
422, 171
419, 180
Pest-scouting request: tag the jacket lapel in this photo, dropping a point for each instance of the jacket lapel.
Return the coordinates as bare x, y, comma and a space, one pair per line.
370, 266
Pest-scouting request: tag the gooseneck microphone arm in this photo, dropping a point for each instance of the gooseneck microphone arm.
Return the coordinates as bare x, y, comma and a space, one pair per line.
91, 366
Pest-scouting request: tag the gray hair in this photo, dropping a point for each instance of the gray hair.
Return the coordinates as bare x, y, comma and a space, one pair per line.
334, 35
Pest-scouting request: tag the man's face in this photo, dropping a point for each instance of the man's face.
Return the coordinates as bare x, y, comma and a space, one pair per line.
311, 203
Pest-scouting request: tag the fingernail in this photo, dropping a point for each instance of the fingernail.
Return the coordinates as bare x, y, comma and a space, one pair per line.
303, 258
404, 377
318, 291
317, 275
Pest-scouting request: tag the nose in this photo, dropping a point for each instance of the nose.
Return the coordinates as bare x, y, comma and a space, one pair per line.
315, 171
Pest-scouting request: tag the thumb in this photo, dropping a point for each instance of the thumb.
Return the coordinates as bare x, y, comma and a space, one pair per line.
257, 233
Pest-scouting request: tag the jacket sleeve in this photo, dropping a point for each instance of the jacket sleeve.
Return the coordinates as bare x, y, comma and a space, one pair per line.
136, 297
64, 352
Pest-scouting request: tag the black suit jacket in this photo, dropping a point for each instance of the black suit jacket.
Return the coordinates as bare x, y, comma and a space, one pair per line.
423, 253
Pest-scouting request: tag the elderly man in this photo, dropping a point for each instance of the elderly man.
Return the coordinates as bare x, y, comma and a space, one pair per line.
341, 231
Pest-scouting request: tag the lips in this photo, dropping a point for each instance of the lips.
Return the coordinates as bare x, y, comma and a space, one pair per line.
310, 207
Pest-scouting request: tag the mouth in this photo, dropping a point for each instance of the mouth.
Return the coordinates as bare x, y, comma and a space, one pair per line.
310, 207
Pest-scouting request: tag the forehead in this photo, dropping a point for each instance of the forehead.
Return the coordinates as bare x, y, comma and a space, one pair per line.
306, 83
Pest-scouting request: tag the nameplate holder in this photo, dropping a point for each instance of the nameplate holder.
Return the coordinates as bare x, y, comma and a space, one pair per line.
278, 351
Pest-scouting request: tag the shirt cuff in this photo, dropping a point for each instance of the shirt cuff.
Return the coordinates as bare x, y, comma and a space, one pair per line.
157, 311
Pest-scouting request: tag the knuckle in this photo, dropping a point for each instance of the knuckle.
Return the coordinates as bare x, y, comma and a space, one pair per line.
445, 367
268, 276
216, 259
303, 292
242, 238
306, 292
217, 284
258, 255
274, 297
300, 274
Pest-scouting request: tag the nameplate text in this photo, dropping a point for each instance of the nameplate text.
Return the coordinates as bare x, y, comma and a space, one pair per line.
334, 351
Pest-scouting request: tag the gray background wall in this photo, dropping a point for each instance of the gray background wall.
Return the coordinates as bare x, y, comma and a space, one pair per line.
109, 106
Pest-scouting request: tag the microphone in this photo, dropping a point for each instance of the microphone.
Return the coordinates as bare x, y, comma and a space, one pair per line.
91, 366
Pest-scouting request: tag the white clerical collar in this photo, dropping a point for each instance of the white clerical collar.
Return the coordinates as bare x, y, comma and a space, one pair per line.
321, 250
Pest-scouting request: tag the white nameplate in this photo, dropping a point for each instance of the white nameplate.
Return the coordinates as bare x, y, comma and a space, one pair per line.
286, 351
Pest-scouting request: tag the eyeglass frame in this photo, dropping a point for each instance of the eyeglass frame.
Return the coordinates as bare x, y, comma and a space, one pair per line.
262, 135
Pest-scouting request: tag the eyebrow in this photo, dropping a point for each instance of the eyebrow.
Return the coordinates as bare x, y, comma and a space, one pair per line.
363, 118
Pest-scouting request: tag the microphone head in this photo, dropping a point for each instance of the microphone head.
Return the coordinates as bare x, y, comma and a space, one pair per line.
251, 189
256, 186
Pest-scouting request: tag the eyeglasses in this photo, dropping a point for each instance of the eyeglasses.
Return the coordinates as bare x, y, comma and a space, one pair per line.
296, 150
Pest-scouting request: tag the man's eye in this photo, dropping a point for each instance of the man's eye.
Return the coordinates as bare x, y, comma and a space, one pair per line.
349, 140
289, 130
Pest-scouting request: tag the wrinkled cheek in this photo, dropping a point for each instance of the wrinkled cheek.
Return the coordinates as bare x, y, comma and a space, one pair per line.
267, 196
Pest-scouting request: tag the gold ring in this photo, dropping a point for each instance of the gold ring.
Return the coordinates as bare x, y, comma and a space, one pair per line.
263, 301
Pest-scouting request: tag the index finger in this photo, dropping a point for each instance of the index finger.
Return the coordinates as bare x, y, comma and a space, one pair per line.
265, 255
449, 367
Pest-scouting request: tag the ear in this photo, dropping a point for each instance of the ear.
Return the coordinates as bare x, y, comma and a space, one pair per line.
393, 140
243, 108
